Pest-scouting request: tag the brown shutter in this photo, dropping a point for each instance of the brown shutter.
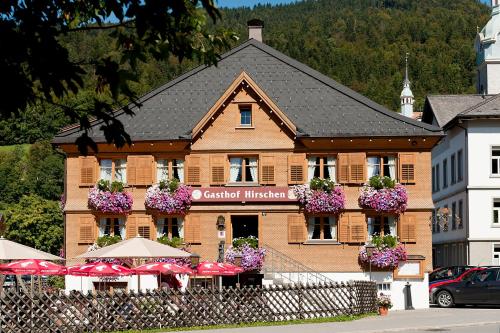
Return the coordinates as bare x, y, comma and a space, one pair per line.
88, 170
131, 226
296, 229
407, 167
296, 168
267, 163
343, 228
193, 170
217, 169
407, 229
144, 226
140, 170
358, 229
87, 226
192, 229
357, 166
343, 167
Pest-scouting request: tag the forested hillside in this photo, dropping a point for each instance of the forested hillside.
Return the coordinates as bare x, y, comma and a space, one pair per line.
360, 43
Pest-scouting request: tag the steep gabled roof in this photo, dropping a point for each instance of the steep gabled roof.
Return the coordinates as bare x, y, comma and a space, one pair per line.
449, 108
317, 105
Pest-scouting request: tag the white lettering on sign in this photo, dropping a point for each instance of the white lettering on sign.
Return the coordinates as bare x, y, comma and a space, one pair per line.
241, 194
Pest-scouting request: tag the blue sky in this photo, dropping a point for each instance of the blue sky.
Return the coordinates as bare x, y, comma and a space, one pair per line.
251, 3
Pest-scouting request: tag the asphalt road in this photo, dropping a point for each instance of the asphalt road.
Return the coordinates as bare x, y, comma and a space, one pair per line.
495, 328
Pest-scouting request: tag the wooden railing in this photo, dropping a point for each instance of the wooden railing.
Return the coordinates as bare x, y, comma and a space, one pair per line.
167, 308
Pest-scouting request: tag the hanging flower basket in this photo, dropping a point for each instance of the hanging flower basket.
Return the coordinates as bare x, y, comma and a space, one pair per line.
110, 198
320, 196
386, 255
383, 195
169, 197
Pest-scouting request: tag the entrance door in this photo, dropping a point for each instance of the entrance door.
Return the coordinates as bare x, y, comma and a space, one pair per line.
245, 226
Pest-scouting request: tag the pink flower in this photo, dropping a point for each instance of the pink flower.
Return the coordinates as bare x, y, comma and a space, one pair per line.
385, 200
384, 257
176, 202
320, 201
110, 202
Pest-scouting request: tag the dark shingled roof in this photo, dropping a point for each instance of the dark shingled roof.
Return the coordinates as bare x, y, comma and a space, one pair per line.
447, 108
316, 104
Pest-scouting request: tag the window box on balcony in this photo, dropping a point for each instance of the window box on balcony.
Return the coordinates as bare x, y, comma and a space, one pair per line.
169, 197
321, 196
111, 198
383, 195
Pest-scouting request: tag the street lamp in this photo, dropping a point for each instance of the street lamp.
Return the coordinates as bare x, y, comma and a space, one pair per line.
237, 262
369, 253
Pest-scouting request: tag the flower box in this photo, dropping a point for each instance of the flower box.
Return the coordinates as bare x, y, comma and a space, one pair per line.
169, 197
110, 198
384, 196
386, 255
320, 196
252, 256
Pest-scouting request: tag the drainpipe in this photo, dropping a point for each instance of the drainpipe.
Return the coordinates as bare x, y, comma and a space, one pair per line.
466, 179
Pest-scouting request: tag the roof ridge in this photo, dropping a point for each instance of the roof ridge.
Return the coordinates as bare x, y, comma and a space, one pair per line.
474, 107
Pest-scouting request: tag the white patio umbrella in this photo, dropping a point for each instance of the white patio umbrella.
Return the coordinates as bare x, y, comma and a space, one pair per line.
137, 247
10, 250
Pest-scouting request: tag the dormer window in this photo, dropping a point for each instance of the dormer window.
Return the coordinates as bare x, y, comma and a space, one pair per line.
246, 116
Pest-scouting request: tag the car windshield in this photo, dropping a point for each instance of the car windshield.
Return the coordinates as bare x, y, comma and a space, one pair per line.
443, 273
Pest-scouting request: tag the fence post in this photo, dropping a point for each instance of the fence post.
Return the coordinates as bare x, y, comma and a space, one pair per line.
352, 293
299, 292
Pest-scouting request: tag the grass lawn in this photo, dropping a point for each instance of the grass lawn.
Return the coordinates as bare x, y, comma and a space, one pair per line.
256, 324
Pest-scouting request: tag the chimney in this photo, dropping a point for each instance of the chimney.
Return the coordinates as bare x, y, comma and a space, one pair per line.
255, 29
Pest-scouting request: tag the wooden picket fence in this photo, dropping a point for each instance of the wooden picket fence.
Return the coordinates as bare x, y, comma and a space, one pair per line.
167, 308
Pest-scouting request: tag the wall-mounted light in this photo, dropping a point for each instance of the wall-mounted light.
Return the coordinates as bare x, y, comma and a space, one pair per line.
221, 223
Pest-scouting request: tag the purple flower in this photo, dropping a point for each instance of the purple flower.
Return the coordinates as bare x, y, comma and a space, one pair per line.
384, 257
176, 202
110, 202
251, 259
320, 201
385, 200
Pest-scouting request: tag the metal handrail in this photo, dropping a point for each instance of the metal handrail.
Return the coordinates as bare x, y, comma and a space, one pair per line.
278, 263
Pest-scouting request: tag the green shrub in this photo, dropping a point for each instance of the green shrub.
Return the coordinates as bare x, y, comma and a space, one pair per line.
108, 240
251, 241
386, 241
379, 183
171, 185
105, 185
326, 185
174, 242
56, 281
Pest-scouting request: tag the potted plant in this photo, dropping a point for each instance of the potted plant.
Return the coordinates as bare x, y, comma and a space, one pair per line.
320, 196
252, 256
384, 304
170, 197
109, 197
383, 195
387, 254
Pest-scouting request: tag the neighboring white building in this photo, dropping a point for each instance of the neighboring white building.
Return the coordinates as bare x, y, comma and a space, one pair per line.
466, 163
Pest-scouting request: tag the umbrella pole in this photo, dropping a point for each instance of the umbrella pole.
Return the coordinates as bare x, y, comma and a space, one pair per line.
40, 284
32, 286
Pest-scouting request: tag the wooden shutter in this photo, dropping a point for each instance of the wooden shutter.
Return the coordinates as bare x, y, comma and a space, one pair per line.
407, 229
192, 229
144, 226
267, 166
131, 226
86, 230
296, 229
407, 163
357, 228
193, 170
343, 167
357, 168
140, 170
296, 168
218, 169
343, 228
88, 170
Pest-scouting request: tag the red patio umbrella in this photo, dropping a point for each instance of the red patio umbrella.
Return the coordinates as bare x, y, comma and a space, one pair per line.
32, 267
215, 268
162, 268
99, 269
233, 269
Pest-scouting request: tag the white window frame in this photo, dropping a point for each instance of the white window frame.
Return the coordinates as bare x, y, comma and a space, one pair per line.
121, 226
165, 169
495, 261
332, 222
493, 158
497, 210
117, 164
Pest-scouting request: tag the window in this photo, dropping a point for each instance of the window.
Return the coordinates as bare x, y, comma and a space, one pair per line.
170, 169
460, 214
453, 169
496, 212
496, 254
433, 221
381, 166
170, 227
447, 218
246, 116
460, 165
381, 225
433, 179
438, 226
112, 226
495, 161
437, 178
243, 169
445, 173
322, 228
321, 167
113, 170
453, 216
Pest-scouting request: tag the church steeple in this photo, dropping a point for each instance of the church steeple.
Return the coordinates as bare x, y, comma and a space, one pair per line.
487, 47
407, 98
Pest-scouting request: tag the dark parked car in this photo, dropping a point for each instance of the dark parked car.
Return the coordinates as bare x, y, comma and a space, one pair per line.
481, 286
447, 273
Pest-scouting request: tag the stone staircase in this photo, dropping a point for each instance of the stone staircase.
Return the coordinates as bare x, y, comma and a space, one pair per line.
280, 269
